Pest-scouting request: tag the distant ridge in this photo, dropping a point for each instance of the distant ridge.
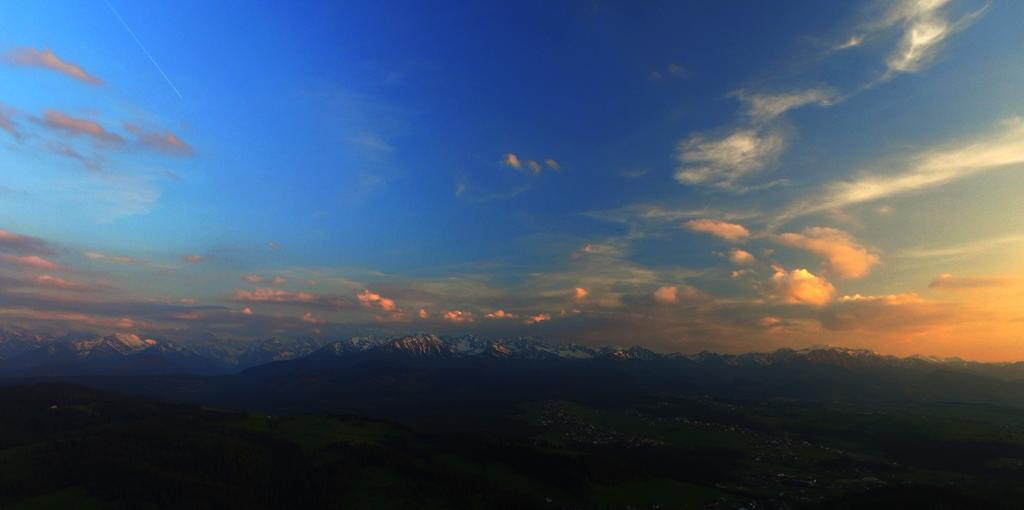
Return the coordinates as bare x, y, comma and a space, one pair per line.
23, 352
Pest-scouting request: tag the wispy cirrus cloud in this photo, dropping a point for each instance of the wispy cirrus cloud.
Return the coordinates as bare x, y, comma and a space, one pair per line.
1001, 147
7, 121
47, 59
923, 25
724, 160
76, 127
949, 281
31, 261
963, 249
23, 244
764, 107
163, 141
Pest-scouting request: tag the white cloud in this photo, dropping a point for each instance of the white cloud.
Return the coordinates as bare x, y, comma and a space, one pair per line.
722, 161
765, 107
999, 148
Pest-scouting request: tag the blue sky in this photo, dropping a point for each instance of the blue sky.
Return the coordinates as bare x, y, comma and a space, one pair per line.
728, 175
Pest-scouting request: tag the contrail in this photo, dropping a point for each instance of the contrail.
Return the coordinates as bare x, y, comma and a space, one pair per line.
143, 48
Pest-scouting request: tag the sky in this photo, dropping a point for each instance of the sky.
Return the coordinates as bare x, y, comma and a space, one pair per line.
686, 176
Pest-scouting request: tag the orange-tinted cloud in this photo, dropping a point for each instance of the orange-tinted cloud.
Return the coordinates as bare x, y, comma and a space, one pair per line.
540, 317
193, 259
581, 293
372, 299
49, 60
423, 313
164, 141
800, 286
666, 295
511, 160
60, 121
457, 316
253, 278
845, 257
501, 314
552, 164
741, 257
725, 230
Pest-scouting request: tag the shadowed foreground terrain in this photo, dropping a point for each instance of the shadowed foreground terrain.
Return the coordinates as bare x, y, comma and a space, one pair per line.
67, 446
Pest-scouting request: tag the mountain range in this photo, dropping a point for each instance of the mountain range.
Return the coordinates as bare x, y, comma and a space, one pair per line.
422, 373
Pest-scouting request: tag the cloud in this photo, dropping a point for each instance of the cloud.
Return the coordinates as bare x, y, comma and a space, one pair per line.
165, 141
729, 231
511, 160
18, 243
457, 316
925, 26
581, 293
193, 259
666, 295
964, 249
247, 311
889, 299
6, 122
253, 278
32, 261
423, 313
265, 295
310, 319
722, 161
552, 164
800, 286
60, 121
741, 257
47, 59
501, 314
67, 151
1001, 147
540, 317
533, 166
372, 299
765, 107
948, 281
116, 259
675, 69
54, 282
845, 257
